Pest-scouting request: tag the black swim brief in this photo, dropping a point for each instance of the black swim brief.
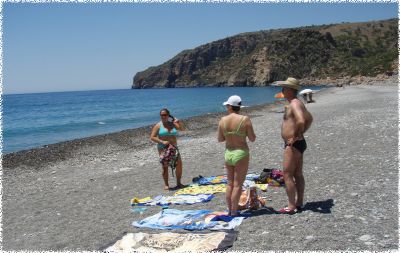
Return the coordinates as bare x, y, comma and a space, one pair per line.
300, 145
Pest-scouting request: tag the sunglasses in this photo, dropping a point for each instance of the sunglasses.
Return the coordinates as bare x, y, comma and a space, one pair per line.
163, 115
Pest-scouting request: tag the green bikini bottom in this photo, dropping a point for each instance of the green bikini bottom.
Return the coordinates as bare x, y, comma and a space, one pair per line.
232, 157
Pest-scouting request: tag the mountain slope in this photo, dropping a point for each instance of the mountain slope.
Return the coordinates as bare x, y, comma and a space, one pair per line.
260, 58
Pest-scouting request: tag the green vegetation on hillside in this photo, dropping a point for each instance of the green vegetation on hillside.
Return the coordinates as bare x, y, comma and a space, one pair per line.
260, 58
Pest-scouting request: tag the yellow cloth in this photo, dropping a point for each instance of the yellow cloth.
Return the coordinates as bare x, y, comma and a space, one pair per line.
135, 201
210, 189
273, 182
262, 187
218, 179
202, 189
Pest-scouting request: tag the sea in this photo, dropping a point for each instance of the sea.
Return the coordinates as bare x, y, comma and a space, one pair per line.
38, 119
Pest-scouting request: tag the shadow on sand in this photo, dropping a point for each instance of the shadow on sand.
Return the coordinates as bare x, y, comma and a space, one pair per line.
316, 206
319, 206
262, 211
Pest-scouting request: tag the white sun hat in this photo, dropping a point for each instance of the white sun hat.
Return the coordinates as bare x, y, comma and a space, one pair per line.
234, 100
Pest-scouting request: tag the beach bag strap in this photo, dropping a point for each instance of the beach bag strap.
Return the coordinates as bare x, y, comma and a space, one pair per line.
174, 161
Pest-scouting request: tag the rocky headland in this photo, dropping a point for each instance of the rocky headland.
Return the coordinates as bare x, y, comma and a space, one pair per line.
336, 54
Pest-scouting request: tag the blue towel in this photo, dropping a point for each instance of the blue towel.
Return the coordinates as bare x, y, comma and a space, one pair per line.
186, 219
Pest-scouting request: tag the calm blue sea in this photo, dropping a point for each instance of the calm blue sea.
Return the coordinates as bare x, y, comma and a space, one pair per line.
33, 120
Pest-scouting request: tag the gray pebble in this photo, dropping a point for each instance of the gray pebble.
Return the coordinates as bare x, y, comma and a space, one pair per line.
365, 238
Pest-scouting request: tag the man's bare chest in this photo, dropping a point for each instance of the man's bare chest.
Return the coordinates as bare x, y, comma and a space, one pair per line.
287, 114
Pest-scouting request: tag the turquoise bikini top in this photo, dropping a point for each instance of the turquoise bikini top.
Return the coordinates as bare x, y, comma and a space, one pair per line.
237, 132
164, 132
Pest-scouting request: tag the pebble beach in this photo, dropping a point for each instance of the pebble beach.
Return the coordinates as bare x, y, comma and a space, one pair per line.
75, 195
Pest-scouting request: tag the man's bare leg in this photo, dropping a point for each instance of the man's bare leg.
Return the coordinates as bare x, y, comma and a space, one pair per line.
290, 161
300, 184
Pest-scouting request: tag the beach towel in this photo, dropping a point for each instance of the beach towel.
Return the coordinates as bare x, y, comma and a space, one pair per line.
168, 200
173, 242
252, 176
187, 219
210, 180
221, 179
212, 189
201, 189
249, 183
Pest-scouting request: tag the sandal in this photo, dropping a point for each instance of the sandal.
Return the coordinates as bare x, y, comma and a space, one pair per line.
287, 210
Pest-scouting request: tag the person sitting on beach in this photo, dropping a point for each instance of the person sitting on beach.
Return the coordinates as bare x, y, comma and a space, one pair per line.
296, 121
164, 133
233, 129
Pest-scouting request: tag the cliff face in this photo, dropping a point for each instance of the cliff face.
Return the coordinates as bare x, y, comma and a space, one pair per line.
260, 58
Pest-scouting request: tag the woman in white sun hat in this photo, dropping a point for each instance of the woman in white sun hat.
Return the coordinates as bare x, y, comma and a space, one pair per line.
233, 130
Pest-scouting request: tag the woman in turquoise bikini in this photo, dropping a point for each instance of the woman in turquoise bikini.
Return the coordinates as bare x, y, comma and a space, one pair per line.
233, 129
164, 133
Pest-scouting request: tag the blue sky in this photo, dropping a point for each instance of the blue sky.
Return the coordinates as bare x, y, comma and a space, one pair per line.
96, 46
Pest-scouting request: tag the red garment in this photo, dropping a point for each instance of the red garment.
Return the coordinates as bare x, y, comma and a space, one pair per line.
170, 156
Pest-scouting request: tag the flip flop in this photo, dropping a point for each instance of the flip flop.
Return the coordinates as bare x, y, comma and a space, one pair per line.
287, 210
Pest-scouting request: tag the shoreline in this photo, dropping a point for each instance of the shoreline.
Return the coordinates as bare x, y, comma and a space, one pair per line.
35, 157
61, 148
54, 152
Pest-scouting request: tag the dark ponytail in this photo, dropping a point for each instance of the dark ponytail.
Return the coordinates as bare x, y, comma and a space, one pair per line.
235, 108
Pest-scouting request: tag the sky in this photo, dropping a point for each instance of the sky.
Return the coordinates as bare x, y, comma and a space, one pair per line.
57, 46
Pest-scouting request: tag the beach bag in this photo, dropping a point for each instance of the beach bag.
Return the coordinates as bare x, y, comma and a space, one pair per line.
264, 175
276, 178
170, 156
250, 200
